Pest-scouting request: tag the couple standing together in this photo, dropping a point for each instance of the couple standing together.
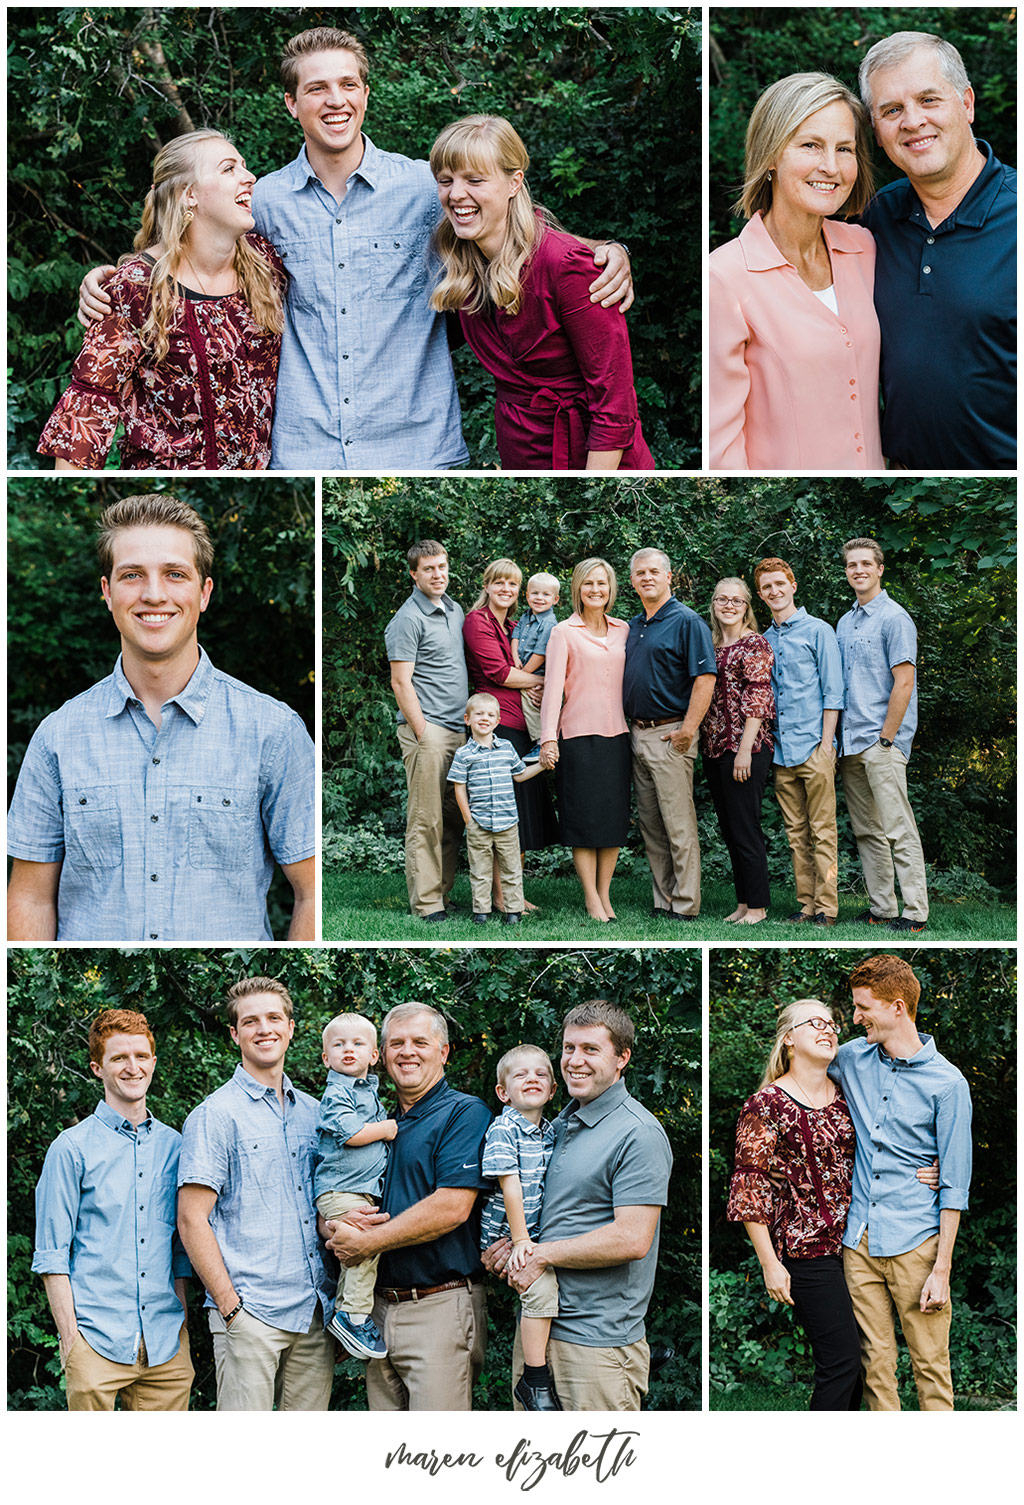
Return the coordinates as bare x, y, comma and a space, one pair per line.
320, 341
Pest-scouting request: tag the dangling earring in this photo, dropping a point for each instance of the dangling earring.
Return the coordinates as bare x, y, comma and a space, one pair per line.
186, 217
769, 176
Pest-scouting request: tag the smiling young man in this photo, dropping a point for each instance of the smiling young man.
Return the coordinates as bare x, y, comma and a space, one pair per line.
106, 1247
878, 646
430, 684
605, 1186
666, 691
429, 1304
946, 268
807, 678
154, 806
248, 1219
365, 380
909, 1105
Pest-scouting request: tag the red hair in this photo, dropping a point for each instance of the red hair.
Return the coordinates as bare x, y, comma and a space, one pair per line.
116, 1022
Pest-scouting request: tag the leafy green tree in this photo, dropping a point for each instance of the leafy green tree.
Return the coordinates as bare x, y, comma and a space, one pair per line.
492, 998
606, 99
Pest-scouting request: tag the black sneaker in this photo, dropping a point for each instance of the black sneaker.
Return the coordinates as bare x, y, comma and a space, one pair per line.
511, 917
868, 917
536, 1397
481, 917
903, 923
436, 918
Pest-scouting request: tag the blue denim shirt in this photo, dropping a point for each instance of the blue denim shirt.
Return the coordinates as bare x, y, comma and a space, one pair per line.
348, 1105
532, 632
259, 1161
365, 380
873, 639
807, 679
166, 835
905, 1112
106, 1216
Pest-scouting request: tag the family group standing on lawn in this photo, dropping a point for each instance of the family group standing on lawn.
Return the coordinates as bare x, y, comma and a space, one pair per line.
623, 702
263, 1181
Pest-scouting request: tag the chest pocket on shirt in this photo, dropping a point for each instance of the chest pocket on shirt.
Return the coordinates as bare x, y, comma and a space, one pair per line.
307, 262
92, 827
220, 827
259, 1163
398, 265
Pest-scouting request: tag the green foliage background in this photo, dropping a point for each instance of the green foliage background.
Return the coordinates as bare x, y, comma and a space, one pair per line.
601, 97
492, 998
950, 546
258, 626
750, 47
968, 1002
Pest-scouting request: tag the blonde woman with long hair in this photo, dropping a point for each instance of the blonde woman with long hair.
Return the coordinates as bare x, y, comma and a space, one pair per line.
187, 357
737, 745
522, 289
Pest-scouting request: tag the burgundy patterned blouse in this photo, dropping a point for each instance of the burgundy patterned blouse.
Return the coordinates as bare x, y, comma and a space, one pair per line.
812, 1149
208, 405
743, 688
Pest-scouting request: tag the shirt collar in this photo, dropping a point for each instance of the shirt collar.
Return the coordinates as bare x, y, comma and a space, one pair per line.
300, 171
870, 606
664, 610
592, 1113
256, 1089
429, 607
369, 1079
106, 1115
577, 621
193, 699
438, 1090
762, 254
920, 1057
521, 1122
973, 209
800, 615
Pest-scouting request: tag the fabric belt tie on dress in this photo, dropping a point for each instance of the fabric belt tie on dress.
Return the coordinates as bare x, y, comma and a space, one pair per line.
416, 1293
570, 429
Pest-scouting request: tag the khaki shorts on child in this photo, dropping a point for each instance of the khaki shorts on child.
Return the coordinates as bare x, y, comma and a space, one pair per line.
541, 1299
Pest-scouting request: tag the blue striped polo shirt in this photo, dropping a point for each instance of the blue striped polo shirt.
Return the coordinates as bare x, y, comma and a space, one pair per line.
487, 774
515, 1146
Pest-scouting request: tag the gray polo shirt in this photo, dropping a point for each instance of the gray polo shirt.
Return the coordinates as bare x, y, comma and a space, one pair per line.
608, 1153
428, 634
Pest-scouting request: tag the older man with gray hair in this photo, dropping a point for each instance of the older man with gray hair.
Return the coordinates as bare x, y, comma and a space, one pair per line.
666, 691
945, 275
429, 1301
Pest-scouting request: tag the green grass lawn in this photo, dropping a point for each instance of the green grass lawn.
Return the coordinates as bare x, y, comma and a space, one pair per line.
371, 907
762, 1397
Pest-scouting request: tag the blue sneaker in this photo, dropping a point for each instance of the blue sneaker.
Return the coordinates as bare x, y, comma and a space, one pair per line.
361, 1339
533, 756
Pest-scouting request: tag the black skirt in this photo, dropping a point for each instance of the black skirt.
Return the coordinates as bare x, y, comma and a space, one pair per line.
537, 825
592, 777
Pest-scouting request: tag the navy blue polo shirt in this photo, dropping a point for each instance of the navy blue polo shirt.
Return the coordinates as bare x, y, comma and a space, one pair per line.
664, 655
947, 302
439, 1143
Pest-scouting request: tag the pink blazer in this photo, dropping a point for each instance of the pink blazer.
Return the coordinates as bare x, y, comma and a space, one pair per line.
791, 385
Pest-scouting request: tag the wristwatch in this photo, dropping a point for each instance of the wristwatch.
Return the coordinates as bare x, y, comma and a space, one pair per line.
884, 741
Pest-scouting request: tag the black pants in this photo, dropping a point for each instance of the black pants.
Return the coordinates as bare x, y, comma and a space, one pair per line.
738, 807
822, 1306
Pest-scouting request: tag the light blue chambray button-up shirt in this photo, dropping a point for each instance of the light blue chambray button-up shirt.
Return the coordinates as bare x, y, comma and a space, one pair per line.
106, 1215
873, 639
905, 1112
259, 1161
807, 678
365, 380
166, 835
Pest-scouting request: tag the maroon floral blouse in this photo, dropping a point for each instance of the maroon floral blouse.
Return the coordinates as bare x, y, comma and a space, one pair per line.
208, 405
812, 1150
743, 688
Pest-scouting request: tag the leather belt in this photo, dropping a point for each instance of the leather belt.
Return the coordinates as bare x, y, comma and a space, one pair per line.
646, 726
415, 1293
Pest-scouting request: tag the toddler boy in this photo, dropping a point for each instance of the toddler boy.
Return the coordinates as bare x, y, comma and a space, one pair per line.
530, 644
351, 1155
517, 1149
482, 771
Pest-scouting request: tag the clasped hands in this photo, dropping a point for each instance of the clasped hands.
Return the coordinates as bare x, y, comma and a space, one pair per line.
349, 1238
518, 1264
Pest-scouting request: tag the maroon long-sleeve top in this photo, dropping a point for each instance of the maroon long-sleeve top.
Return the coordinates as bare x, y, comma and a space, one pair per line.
489, 658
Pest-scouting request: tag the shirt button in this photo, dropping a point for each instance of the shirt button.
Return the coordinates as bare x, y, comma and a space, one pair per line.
83, 800
853, 381
926, 271
153, 935
346, 399
337, 221
344, 357
930, 241
345, 310
154, 817
225, 802
156, 760
153, 878
853, 397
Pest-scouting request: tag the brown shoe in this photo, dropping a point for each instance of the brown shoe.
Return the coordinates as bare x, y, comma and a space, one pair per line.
824, 919
799, 918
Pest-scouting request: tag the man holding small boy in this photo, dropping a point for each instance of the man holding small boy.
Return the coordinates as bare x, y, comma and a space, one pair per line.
482, 773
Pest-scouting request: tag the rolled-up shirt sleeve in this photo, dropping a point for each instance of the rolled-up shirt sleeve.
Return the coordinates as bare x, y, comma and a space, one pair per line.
830, 670
953, 1139
58, 1196
600, 343
338, 1114
288, 792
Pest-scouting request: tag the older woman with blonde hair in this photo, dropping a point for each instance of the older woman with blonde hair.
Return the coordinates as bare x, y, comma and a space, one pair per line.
522, 288
794, 342
736, 742
584, 735
490, 662
187, 356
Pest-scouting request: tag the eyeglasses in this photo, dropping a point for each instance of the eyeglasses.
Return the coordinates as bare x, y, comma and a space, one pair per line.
729, 601
821, 1024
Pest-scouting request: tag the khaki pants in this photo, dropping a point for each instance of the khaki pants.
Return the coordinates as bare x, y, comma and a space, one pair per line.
482, 847
433, 824
884, 1288
93, 1383
435, 1351
663, 781
592, 1379
355, 1287
875, 786
532, 714
260, 1367
807, 799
